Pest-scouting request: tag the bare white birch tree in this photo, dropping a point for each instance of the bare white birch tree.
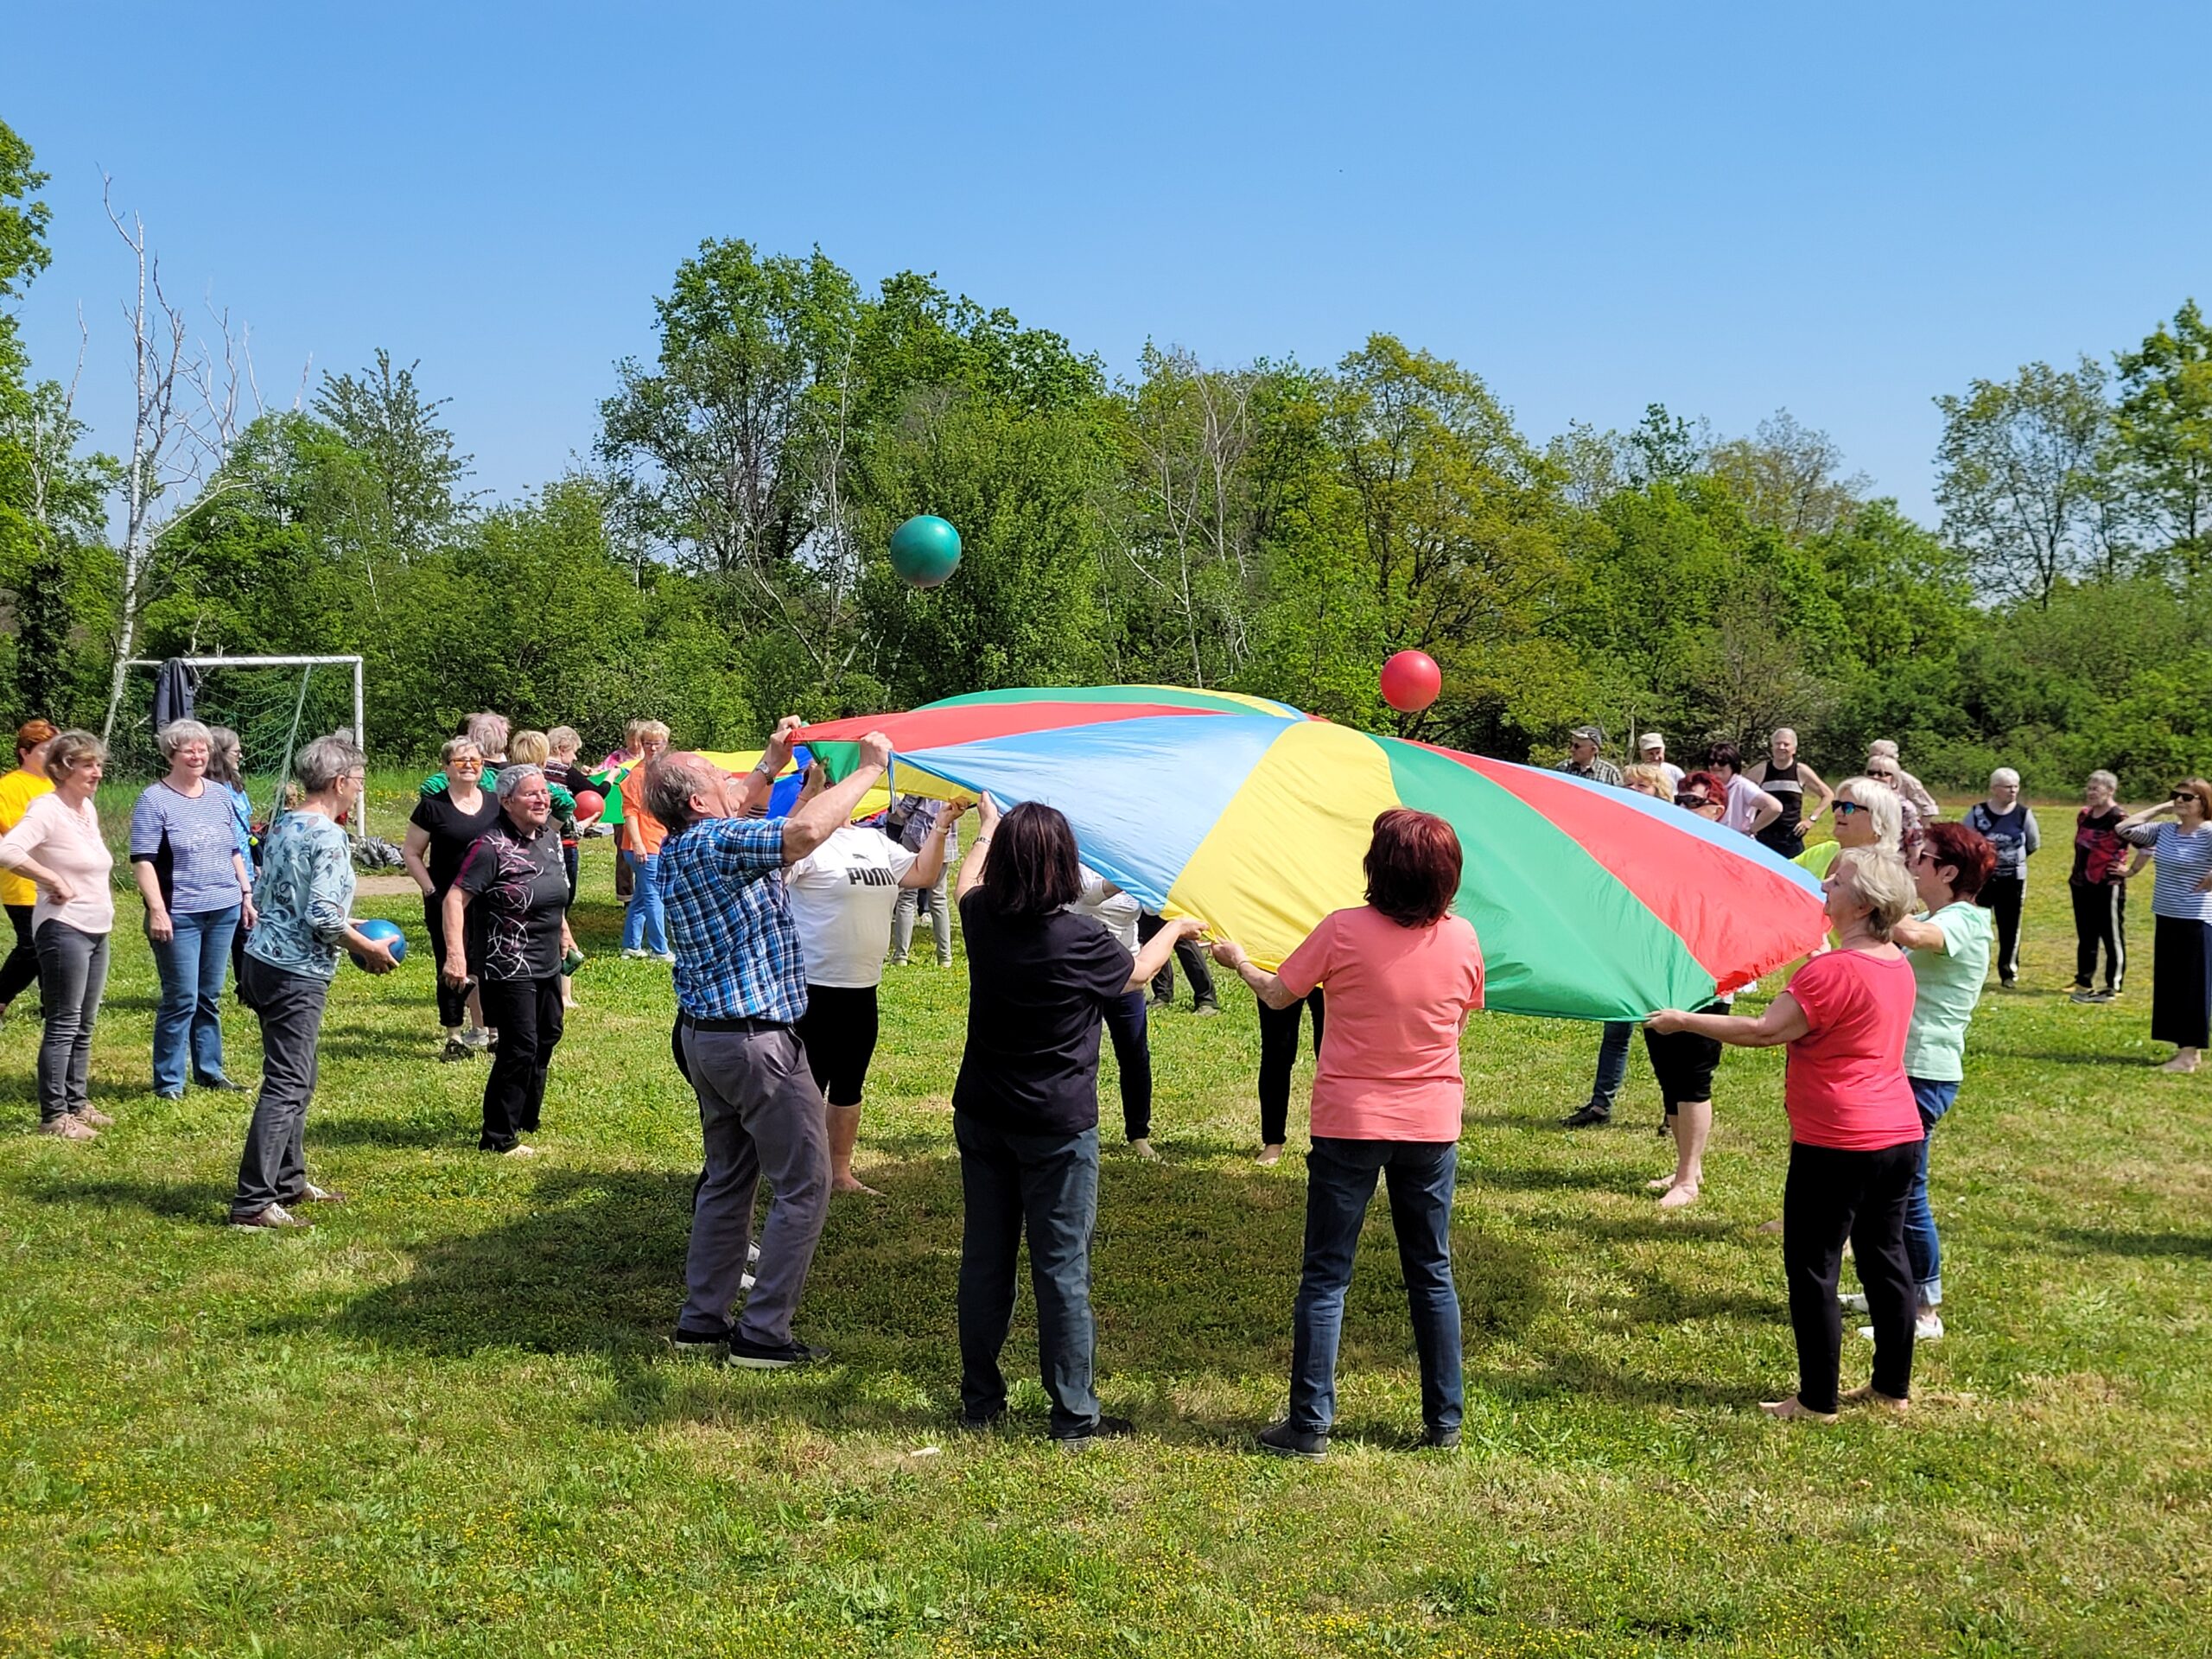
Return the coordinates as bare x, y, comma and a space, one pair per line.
185, 417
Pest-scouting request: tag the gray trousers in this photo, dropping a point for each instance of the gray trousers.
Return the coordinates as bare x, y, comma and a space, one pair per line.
902, 918
274, 1169
71, 974
760, 1113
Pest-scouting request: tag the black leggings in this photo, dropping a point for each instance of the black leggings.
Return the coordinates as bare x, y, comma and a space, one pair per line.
20, 972
838, 1031
1278, 1054
1829, 1197
526, 1013
2004, 895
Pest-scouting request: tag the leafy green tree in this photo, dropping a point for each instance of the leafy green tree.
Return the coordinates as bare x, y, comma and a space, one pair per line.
1790, 477
412, 467
2162, 429
2023, 485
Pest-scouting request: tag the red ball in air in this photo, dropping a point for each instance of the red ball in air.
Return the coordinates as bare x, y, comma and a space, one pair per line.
1411, 681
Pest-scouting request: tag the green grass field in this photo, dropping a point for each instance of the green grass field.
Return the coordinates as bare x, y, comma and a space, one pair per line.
446, 1421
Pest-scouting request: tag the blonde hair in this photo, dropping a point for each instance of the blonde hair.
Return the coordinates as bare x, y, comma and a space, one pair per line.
1643, 775
529, 748
70, 751
652, 729
1879, 880
1883, 804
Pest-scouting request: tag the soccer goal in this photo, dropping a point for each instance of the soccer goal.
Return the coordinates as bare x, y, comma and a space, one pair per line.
274, 703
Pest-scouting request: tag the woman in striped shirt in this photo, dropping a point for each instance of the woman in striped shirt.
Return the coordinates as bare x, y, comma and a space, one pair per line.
2180, 903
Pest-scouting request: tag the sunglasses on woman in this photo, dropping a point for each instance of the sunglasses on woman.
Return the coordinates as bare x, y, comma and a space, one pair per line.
1845, 808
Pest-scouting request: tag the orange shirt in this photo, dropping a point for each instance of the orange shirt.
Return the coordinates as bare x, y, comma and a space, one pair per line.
639, 832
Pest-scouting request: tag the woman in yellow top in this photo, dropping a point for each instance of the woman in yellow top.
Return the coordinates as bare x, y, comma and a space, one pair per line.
17, 790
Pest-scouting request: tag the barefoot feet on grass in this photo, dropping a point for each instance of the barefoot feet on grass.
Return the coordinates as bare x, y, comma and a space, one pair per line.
1793, 1411
1270, 1155
1677, 1196
853, 1183
1662, 1184
1868, 1396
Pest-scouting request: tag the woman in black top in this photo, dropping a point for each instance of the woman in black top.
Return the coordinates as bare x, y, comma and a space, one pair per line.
1024, 1109
514, 880
1788, 779
444, 826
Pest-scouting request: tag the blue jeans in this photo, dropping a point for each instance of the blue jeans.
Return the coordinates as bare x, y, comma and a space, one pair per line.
1049, 1182
1339, 1182
1921, 1246
193, 964
644, 925
1613, 1063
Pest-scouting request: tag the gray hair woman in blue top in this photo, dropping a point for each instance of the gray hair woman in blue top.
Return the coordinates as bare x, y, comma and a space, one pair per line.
192, 872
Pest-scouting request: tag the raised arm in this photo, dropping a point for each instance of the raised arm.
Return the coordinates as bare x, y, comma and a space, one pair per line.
1153, 956
816, 821
929, 863
971, 867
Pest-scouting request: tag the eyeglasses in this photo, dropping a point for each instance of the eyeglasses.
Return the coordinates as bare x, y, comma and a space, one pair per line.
1845, 808
1694, 801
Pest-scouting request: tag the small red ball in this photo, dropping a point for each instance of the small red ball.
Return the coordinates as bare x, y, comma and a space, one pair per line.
1411, 681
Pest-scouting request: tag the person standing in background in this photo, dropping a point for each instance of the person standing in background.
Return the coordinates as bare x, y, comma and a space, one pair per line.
19, 893
58, 846
1789, 780
1925, 806
909, 823
2099, 887
1751, 809
644, 925
1128, 1017
2181, 916
1583, 761
1652, 750
2004, 820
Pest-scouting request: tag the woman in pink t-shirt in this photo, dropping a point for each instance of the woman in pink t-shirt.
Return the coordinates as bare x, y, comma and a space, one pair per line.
1854, 1131
1402, 974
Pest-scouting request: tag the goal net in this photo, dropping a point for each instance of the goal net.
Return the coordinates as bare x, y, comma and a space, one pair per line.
275, 705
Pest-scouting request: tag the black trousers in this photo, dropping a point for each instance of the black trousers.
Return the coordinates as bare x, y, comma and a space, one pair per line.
1278, 1054
20, 971
2180, 982
1191, 954
526, 1013
2100, 919
1126, 1023
1829, 1197
453, 1005
2003, 894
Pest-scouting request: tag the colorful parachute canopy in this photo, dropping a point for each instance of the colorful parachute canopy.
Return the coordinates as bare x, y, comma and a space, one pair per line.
1592, 903
783, 794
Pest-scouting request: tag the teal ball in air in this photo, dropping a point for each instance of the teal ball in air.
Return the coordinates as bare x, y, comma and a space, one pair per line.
924, 550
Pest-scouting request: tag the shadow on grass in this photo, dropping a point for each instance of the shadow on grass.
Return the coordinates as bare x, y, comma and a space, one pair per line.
2066, 1056
2107, 1241
203, 1202
1194, 1275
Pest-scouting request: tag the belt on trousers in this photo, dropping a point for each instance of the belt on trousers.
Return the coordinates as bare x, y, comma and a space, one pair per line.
748, 1023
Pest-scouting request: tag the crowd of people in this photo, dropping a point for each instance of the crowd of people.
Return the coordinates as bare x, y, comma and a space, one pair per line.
779, 928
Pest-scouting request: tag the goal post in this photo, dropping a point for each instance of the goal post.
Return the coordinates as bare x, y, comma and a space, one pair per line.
284, 710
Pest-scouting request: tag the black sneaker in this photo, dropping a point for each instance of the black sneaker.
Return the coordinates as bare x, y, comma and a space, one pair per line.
1102, 1428
1281, 1440
701, 1343
456, 1050
1592, 1116
773, 1356
1438, 1439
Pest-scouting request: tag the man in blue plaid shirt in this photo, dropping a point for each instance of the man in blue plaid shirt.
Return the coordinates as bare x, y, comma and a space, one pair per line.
740, 984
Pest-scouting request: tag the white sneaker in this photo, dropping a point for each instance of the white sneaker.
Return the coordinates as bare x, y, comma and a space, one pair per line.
477, 1037
635, 956
1929, 1327
1854, 1301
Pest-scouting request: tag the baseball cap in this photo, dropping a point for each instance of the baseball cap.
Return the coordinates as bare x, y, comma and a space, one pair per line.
1650, 741
1590, 734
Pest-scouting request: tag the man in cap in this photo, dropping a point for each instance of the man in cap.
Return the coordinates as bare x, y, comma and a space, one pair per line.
1651, 750
1583, 760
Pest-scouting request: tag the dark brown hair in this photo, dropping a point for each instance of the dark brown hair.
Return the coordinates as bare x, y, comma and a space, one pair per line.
1413, 867
1031, 869
1967, 851
1725, 753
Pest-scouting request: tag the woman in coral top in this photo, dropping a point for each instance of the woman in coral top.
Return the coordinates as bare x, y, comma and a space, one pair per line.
1402, 974
1854, 1130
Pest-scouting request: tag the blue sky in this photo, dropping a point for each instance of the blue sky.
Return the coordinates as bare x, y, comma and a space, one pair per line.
1840, 210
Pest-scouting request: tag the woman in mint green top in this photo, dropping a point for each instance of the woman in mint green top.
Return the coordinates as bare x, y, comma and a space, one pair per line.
1949, 949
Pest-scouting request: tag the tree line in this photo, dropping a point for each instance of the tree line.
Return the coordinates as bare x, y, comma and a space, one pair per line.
1273, 527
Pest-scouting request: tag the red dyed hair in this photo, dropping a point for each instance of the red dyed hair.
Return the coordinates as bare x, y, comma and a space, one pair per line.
31, 733
1967, 851
1413, 867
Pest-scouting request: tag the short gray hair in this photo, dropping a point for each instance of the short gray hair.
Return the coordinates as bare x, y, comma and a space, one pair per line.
2109, 779
1883, 804
1883, 746
178, 733
672, 781
489, 732
1880, 879
514, 775
72, 749
320, 765
453, 746
2005, 775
